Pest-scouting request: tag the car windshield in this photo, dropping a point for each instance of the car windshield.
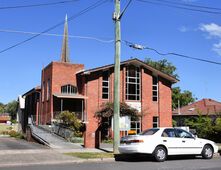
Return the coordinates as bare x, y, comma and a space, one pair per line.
149, 131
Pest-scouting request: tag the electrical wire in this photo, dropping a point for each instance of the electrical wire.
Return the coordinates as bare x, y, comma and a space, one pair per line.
37, 5
91, 7
179, 7
141, 47
189, 5
60, 35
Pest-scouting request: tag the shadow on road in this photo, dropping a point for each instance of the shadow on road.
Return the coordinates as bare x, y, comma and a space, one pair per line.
146, 158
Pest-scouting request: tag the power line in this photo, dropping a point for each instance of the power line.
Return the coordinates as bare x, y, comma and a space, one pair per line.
189, 5
141, 47
60, 35
91, 7
179, 7
37, 5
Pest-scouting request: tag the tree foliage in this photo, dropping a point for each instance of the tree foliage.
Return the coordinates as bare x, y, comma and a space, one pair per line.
184, 97
164, 66
206, 127
11, 108
2, 106
107, 110
167, 67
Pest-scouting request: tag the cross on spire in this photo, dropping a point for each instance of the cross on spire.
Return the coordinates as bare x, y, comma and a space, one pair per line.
65, 56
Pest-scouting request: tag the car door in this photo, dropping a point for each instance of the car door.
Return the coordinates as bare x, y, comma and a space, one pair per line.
169, 139
187, 143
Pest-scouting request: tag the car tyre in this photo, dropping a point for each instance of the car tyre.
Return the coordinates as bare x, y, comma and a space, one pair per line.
160, 154
207, 152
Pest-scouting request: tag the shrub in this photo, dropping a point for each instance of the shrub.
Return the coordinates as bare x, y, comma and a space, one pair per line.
69, 119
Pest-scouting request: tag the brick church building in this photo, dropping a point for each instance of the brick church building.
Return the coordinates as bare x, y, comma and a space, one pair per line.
68, 86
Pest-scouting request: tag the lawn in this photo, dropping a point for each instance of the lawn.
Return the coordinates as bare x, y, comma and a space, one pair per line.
4, 127
91, 155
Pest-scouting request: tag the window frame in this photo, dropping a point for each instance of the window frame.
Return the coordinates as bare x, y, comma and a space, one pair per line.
69, 89
105, 73
133, 81
155, 88
155, 122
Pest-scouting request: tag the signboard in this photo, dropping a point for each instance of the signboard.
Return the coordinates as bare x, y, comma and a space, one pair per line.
124, 123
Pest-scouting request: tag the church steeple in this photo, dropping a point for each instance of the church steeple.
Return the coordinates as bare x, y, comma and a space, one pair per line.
65, 56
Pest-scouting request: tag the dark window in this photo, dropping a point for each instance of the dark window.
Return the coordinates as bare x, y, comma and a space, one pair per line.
150, 131
132, 83
155, 122
155, 88
48, 89
105, 85
168, 133
180, 133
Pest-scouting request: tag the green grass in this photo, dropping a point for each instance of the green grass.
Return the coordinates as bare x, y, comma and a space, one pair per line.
5, 127
90, 155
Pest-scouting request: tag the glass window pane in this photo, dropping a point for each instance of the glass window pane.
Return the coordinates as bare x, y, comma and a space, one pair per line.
105, 83
105, 96
154, 98
154, 87
105, 90
154, 93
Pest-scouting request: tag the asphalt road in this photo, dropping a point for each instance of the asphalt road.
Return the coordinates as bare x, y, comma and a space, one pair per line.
172, 164
7, 143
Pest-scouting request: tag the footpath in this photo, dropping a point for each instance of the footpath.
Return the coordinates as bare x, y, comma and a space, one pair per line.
14, 152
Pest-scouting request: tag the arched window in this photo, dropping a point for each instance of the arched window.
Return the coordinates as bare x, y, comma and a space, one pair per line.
69, 89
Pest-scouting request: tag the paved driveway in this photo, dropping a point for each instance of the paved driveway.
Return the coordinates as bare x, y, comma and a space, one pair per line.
7, 143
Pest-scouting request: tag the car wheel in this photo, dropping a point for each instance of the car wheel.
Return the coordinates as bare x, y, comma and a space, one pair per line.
207, 152
160, 154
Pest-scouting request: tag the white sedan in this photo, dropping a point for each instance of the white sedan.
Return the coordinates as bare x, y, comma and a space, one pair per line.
161, 142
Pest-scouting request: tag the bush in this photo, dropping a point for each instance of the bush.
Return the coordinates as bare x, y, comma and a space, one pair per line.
69, 119
205, 127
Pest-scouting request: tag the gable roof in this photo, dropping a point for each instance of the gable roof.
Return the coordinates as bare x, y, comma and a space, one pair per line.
203, 107
136, 62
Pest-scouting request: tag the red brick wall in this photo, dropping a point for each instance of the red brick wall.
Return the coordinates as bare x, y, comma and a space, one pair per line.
165, 103
161, 108
59, 74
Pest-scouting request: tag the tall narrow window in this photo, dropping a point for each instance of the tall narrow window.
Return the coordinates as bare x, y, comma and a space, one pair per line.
155, 88
43, 92
105, 85
132, 83
155, 121
48, 89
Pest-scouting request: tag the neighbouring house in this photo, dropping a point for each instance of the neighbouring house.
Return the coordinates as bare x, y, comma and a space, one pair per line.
204, 107
68, 86
4, 117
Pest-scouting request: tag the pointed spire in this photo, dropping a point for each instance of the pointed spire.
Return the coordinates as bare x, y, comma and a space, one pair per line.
65, 49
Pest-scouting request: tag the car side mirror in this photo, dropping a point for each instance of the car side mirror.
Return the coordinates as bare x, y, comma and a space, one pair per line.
195, 136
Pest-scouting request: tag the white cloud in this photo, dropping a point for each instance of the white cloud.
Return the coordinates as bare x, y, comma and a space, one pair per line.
217, 48
213, 31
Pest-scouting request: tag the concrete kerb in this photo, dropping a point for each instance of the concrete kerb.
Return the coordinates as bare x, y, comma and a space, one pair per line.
100, 160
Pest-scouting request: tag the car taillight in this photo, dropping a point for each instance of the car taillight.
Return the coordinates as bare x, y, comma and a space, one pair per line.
136, 141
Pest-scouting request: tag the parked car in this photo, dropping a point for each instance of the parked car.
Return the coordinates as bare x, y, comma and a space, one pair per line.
161, 142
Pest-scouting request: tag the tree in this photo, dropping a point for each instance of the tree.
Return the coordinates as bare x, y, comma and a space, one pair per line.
107, 110
167, 67
184, 98
11, 108
164, 66
2, 110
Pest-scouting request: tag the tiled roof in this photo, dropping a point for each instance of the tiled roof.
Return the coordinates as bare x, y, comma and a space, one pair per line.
203, 107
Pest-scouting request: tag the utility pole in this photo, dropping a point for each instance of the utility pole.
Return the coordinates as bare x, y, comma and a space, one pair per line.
116, 18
